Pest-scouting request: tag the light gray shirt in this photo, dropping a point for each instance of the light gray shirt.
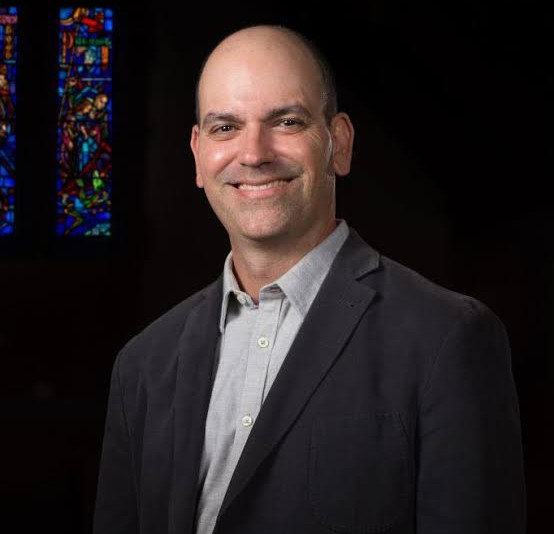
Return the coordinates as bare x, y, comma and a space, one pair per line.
255, 339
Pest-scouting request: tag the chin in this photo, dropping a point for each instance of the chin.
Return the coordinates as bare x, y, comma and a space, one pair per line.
263, 227
265, 236
266, 232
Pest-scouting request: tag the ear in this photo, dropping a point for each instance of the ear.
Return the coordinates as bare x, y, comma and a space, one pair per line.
342, 131
194, 147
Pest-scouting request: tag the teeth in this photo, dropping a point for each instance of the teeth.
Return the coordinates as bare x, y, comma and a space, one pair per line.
250, 187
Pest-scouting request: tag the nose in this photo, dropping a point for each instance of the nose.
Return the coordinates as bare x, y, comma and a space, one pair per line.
255, 147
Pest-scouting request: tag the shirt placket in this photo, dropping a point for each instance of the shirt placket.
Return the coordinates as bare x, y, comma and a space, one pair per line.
262, 342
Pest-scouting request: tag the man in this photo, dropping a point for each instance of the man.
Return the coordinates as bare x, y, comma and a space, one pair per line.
316, 386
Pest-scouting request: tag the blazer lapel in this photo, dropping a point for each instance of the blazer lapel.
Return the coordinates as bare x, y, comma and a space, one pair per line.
334, 314
197, 349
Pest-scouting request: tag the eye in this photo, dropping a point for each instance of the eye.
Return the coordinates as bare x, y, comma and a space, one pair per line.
224, 128
222, 131
291, 125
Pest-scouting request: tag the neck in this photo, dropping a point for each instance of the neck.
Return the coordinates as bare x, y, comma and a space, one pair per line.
257, 264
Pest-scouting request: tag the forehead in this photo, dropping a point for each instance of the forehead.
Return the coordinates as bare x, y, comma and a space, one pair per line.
257, 70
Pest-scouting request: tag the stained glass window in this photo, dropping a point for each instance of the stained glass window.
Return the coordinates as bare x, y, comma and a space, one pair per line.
84, 186
8, 56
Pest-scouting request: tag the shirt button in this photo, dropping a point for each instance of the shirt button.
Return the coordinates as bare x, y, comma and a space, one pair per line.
247, 420
263, 342
241, 299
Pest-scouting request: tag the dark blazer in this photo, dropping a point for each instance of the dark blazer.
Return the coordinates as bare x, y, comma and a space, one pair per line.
394, 411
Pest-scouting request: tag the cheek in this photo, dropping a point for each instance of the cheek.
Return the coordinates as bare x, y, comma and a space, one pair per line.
215, 158
220, 157
321, 149
321, 160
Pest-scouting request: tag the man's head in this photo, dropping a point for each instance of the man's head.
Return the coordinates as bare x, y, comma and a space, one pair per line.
100, 101
269, 142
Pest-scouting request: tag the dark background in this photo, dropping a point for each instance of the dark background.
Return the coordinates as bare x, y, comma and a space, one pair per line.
453, 159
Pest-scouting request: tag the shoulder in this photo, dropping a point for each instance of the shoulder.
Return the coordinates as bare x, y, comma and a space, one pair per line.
429, 310
404, 297
429, 327
159, 339
412, 288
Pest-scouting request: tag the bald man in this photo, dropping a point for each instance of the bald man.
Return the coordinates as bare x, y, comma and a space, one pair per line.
316, 386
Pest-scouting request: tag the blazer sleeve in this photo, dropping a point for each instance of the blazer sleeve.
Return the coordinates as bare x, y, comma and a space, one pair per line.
469, 468
116, 510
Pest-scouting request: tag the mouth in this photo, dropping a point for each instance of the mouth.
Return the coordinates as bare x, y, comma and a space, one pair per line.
261, 187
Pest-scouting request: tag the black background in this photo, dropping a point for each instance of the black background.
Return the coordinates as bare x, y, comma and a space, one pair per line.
452, 164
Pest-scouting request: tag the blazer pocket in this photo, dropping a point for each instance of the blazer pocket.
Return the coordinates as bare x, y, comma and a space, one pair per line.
359, 474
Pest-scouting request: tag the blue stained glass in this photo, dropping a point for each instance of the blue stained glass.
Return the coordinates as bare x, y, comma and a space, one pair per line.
84, 178
8, 61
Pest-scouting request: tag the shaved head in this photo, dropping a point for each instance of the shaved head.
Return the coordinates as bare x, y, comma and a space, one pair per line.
258, 37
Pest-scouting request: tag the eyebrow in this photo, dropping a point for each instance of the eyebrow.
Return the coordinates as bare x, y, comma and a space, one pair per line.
219, 117
296, 109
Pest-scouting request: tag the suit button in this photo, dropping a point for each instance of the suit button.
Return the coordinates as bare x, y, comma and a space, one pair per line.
247, 420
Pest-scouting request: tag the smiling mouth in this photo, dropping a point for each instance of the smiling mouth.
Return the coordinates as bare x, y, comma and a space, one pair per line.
260, 187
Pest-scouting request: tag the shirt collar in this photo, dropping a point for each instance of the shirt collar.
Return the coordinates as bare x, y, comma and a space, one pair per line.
230, 285
301, 282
